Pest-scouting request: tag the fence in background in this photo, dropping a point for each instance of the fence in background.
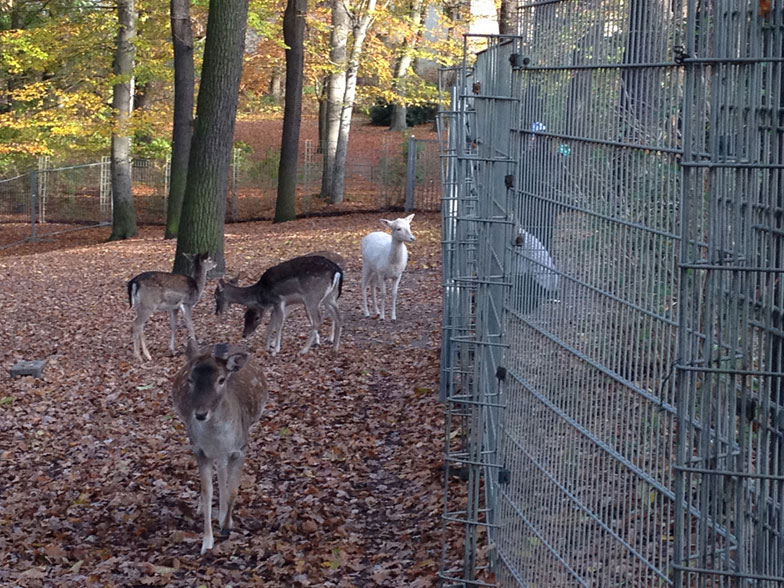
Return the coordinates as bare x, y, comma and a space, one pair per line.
613, 217
51, 199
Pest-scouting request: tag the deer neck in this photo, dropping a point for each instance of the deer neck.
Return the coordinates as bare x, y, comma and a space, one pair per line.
397, 251
245, 295
200, 277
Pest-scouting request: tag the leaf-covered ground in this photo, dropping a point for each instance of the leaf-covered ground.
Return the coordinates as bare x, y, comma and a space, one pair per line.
98, 485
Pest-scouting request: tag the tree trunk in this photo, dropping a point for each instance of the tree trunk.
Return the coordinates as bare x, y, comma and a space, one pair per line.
339, 169
336, 90
182, 131
276, 86
294, 37
322, 120
123, 212
204, 204
402, 65
506, 18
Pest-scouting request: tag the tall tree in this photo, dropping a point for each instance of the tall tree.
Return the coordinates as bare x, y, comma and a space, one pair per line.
336, 89
204, 205
182, 131
123, 212
507, 17
402, 65
294, 37
362, 19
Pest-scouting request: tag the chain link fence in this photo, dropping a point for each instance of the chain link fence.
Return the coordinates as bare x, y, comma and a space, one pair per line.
613, 218
54, 199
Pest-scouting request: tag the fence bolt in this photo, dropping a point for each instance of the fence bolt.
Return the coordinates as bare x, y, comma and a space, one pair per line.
519, 61
500, 373
504, 476
509, 181
680, 54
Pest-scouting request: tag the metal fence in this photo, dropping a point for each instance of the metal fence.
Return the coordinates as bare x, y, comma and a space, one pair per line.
53, 199
613, 217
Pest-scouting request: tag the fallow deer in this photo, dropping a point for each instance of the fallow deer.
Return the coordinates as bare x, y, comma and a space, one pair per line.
384, 257
219, 394
150, 292
310, 280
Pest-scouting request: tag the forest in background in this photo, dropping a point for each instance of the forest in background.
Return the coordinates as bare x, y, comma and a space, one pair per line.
57, 56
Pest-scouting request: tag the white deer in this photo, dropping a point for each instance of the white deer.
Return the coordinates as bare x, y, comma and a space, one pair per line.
384, 257
311, 280
219, 394
150, 292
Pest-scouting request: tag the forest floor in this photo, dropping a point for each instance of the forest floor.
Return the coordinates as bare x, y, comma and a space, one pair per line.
98, 486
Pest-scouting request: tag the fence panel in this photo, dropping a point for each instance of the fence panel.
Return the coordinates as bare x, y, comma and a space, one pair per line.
69, 197
730, 395
626, 430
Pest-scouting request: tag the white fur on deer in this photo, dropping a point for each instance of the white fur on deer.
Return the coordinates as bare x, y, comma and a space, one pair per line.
536, 261
219, 394
311, 280
534, 274
384, 257
150, 292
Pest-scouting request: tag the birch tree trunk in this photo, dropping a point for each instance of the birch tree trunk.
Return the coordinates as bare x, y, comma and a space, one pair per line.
336, 90
339, 169
398, 119
204, 205
182, 131
123, 212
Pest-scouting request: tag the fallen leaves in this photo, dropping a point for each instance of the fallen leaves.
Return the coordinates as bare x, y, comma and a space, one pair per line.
99, 485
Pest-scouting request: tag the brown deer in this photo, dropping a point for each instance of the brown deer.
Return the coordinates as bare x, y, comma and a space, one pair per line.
150, 292
219, 394
310, 280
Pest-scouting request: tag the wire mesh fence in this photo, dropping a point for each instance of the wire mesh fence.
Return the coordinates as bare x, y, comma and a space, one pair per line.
52, 199
612, 351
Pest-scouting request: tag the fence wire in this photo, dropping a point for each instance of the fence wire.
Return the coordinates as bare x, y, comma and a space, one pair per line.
54, 199
612, 348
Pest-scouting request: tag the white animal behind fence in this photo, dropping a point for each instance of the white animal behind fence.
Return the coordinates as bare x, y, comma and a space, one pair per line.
384, 257
534, 272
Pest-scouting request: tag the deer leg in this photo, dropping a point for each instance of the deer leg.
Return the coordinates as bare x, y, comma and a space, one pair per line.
364, 285
187, 315
233, 477
337, 323
205, 474
383, 287
173, 325
138, 334
314, 316
395, 284
278, 317
271, 331
222, 467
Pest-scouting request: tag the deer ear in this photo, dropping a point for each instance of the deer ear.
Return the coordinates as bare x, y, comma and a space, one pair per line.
386, 223
236, 361
188, 256
191, 349
409, 218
